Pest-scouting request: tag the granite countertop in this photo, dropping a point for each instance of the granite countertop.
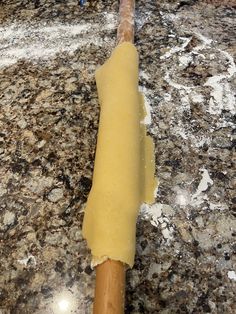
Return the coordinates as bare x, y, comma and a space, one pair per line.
186, 241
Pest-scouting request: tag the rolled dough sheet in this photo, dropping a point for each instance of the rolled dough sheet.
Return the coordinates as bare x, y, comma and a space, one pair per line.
124, 168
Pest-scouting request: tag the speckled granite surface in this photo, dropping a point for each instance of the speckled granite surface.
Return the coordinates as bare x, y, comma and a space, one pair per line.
186, 242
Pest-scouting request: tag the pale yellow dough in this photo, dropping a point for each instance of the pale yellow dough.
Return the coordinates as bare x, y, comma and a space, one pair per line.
124, 165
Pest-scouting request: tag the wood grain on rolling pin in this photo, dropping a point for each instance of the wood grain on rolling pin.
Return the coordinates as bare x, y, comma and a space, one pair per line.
110, 288
125, 30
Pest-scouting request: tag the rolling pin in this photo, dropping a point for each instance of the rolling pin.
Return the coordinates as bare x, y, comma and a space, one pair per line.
110, 275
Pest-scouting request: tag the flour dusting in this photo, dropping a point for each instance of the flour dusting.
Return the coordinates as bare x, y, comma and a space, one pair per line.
176, 49
158, 215
29, 259
222, 98
204, 184
220, 94
232, 275
45, 41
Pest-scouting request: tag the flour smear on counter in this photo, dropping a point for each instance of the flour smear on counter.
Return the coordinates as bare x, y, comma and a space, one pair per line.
45, 40
215, 94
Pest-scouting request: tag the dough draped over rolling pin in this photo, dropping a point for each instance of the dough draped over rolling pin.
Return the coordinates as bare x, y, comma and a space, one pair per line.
124, 168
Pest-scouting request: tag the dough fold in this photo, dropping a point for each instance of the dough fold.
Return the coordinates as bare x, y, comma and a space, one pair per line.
124, 167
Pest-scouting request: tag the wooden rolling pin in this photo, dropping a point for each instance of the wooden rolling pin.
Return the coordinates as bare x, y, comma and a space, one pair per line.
110, 275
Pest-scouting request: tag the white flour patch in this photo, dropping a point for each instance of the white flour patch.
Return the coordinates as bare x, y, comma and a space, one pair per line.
44, 41
184, 197
217, 206
111, 20
204, 184
200, 141
232, 275
167, 97
185, 60
26, 260
144, 75
205, 42
221, 95
199, 197
157, 214
197, 98
221, 123
176, 49
195, 140
176, 85
152, 212
222, 98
